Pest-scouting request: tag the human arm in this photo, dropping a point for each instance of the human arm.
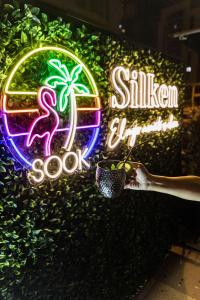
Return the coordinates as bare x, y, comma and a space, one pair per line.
185, 187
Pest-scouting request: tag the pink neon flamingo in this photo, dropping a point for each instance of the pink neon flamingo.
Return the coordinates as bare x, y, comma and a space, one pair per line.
46, 99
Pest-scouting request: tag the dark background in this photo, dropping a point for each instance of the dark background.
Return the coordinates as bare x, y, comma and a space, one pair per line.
83, 246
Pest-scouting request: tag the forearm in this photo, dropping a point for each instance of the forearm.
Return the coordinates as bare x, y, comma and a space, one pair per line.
185, 187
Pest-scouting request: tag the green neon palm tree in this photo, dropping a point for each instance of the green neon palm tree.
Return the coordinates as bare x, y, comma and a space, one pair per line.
67, 82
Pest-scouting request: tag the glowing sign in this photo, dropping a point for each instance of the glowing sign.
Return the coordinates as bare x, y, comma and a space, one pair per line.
67, 81
46, 99
119, 132
41, 120
138, 90
68, 164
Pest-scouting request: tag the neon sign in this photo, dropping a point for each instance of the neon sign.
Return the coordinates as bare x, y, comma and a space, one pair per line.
46, 100
137, 90
45, 126
119, 132
41, 169
41, 120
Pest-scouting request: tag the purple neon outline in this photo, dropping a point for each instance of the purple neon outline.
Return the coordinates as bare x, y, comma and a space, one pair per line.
91, 143
98, 118
43, 91
89, 150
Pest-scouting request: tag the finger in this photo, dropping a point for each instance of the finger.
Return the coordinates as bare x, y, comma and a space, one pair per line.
127, 186
135, 165
132, 182
131, 186
134, 173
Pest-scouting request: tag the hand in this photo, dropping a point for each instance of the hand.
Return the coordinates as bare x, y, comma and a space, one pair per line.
140, 178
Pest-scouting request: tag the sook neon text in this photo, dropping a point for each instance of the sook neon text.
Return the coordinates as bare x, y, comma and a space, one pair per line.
69, 163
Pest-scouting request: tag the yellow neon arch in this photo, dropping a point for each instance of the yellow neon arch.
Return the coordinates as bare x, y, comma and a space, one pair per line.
95, 93
68, 53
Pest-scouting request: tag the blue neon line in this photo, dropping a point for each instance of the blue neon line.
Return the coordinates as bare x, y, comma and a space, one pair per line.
19, 153
93, 141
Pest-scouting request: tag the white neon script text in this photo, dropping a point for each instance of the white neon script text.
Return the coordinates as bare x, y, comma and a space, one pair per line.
138, 90
119, 132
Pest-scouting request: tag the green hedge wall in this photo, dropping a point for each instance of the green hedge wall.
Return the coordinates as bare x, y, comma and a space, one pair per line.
63, 240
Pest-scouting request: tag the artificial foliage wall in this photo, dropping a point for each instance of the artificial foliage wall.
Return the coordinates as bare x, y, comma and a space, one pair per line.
62, 239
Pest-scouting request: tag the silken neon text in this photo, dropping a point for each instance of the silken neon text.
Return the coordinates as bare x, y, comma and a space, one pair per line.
138, 90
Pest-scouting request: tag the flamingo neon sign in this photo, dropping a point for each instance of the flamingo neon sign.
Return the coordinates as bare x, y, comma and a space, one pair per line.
38, 118
47, 100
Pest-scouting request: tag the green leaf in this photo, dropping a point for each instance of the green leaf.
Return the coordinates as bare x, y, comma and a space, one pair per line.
80, 88
36, 20
63, 98
8, 7
24, 37
37, 231
35, 10
34, 30
53, 81
94, 37
2, 169
75, 73
16, 13
113, 167
127, 166
44, 18
59, 19
62, 69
